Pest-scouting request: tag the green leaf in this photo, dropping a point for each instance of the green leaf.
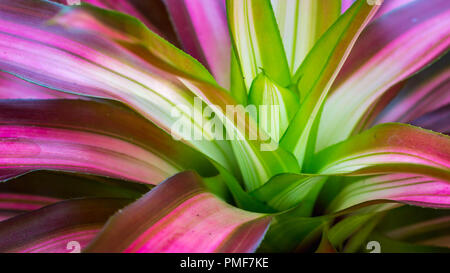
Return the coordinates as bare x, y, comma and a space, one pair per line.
258, 156
325, 245
285, 191
242, 199
359, 238
237, 86
257, 40
301, 23
350, 225
288, 233
275, 105
388, 148
317, 73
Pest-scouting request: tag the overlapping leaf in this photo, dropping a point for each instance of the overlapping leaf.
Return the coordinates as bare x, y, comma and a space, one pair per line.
99, 53
423, 93
102, 138
275, 105
301, 23
180, 215
388, 148
53, 228
12, 87
163, 78
285, 191
414, 225
401, 187
40, 188
256, 40
75, 59
318, 72
152, 13
203, 30
391, 49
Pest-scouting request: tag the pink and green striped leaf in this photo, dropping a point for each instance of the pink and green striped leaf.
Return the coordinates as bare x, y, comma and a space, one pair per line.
408, 100
390, 5
391, 49
152, 13
257, 158
317, 73
423, 93
74, 58
376, 108
180, 215
102, 138
58, 227
257, 42
67, 185
301, 23
40, 188
399, 187
161, 79
203, 31
388, 148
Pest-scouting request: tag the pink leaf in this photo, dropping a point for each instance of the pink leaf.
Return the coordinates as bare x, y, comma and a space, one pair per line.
181, 216
400, 187
391, 49
152, 13
53, 228
423, 93
90, 137
388, 148
12, 87
203, 30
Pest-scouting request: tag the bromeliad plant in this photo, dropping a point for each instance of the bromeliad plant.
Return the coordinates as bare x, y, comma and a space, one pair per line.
89, 159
